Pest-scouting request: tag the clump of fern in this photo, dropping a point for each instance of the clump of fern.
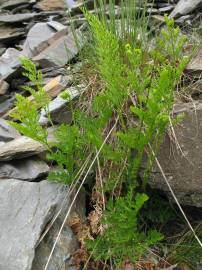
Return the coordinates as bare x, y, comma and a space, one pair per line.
137, 98
146, 80
123, 237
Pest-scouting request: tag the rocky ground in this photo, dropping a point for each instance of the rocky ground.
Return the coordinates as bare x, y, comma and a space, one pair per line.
41, 31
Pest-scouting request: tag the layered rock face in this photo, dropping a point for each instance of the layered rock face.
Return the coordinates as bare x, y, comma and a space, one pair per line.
180, 156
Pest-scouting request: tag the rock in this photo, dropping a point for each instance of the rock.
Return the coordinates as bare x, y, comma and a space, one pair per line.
183, 168
23, 169
56, 85
19, 148
195, 65
2, 49
58, 109
10, 4
3, 87
52, 88
16, 18
60, 51
7, 133
158, 19
46, 5
23, 17
38, 34
8, 34
9, 62
25, 210
184, 7
166, 9
152, 10
56, 25
6, 105
182, 19
61, 259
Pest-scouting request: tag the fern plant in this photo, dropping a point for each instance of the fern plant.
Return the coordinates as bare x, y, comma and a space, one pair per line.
146, 79
123, 238
138, 95
26, 109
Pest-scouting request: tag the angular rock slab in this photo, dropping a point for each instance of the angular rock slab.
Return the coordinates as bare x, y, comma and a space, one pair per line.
27, 169
3, 87
184, 7
47, 5
20, 148
58, 109
9, 33
25, 210
195, 65
183, 168
60, 51
38, 34
61, 259
10, 4
9, 62
16, 18
7, 133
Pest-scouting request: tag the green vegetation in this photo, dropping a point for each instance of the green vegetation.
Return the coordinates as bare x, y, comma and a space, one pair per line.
137, 96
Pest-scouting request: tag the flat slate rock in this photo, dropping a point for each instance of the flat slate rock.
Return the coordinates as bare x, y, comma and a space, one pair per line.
7, 133
3, 87
58, 109
9, 62
9, 33
6, 105
39, 33
60, 51
25, 210
27, 169
16, 18
184, 7
19, 148
10, 4
47, 5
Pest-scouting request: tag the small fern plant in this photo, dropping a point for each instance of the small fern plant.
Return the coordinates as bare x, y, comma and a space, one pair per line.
123, 237
65, 149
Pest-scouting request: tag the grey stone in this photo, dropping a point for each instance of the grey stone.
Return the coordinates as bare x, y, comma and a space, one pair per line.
183, 166
23, 169
9, 62
39, 33
195, 65
19, 148
2, 49
7, 133
5, 105
51, 5
166, 9
58, 109
62, 253
9, 33
15, 18
184, 7
60, 51
182, 19
3, 87
25, 210
10, 4
56, 25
